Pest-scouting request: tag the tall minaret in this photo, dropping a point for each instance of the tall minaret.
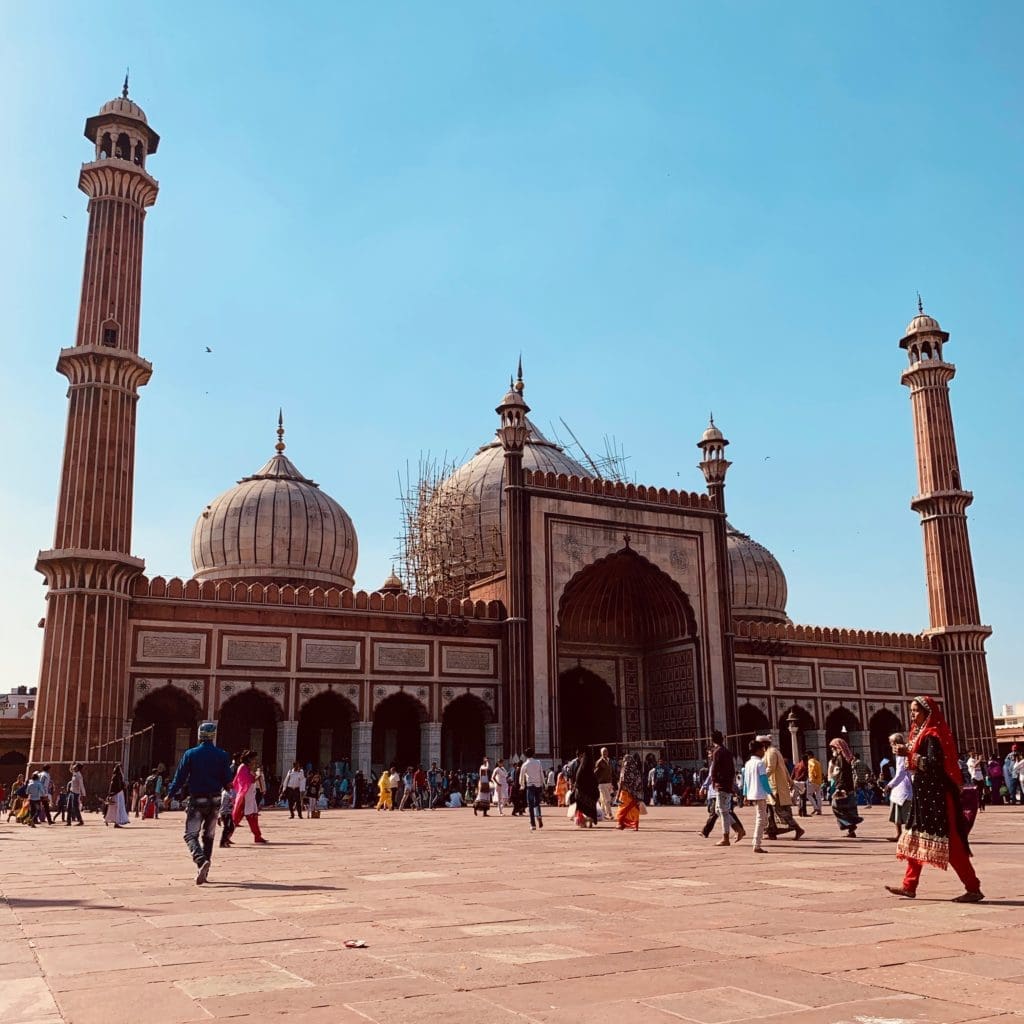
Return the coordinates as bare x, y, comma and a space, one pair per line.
82, 707
942, 502
714, 465
512, 432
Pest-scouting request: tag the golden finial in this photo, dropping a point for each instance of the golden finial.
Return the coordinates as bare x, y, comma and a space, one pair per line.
279, 447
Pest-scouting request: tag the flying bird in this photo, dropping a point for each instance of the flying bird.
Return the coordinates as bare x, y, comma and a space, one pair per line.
208, 349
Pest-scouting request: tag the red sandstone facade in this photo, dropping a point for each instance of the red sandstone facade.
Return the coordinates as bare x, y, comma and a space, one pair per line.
611, 613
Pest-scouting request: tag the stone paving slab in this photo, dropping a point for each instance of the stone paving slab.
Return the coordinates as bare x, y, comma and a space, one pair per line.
480, 921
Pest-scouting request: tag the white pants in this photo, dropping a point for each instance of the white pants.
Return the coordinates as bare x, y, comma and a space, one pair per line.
814, 795
605, 791
760, 821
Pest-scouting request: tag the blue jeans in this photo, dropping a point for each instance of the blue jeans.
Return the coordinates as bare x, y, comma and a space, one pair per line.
533, 794
201, 821
74, 808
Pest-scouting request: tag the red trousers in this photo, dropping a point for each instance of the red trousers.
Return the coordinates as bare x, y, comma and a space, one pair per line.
959, 860
254, 824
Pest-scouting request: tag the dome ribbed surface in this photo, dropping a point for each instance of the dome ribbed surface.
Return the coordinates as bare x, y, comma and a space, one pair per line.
125, 108
759, 589
464, 519
276, 525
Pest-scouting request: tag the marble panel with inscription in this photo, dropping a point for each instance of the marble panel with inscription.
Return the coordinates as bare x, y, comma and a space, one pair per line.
750, 673
318, 653
839, 679
172, 648
922, 682
245, 651
401, 657
877, 680
794, 677
474, 661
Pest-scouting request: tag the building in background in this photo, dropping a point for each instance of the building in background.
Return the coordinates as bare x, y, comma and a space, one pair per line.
1009, 720
16, 711
553, 606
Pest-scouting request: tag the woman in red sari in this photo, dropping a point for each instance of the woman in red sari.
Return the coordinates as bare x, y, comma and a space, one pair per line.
937, 831
246, 805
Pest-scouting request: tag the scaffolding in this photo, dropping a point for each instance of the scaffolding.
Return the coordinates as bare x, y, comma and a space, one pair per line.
611, 465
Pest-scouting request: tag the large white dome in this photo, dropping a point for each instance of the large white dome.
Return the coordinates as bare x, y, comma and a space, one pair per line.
276, 525
463, 521
759, 589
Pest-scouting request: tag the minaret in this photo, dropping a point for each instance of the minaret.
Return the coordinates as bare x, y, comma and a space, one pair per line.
512, 433
942, 503
714, 465
82, 707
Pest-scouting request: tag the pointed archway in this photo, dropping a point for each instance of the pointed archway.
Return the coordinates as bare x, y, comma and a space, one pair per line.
463, 733
396, 731
324, 731
840, 722
751, 722
882, 725
248, 721
172, 719
625, 612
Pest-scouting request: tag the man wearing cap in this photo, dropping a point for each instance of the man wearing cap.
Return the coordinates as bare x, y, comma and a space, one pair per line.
780, 809
205, 770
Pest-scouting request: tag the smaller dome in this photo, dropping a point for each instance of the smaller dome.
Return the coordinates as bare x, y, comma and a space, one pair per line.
392, 585
712, 433
759, 588
123, 107
924, 324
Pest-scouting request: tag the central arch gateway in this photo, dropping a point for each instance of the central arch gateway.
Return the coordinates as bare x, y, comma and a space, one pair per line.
627, 658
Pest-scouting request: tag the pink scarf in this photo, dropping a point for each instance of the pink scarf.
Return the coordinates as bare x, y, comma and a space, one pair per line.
244, 780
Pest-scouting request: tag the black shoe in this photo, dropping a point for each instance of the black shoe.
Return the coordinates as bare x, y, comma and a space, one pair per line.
969, 897
204, 870
540, 823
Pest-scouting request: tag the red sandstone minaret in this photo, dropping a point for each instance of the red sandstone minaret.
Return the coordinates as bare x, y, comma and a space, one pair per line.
942, 502
81, 711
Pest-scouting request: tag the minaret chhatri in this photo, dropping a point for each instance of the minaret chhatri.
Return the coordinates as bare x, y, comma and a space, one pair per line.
82, 707
941, 501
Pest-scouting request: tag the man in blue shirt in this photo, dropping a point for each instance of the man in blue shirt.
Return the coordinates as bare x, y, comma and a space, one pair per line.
205, 770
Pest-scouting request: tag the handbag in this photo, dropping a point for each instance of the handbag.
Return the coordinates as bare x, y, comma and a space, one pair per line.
643, 807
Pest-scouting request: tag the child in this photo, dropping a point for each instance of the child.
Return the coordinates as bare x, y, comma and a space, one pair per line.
226, 816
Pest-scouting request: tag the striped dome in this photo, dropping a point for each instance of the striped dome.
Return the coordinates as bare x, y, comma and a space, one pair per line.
759, 588
276, 526
464, 519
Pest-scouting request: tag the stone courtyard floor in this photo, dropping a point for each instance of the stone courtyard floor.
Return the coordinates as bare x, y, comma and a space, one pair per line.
474, 920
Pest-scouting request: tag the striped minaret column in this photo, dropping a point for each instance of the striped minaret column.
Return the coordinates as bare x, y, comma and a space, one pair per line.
942, 502
82, 707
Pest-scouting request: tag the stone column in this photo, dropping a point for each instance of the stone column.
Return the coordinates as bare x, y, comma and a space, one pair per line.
362, 740
492, 741
815, 740
430, 743
287, 735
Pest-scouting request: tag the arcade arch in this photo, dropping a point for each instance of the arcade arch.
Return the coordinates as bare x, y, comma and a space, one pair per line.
174, 717
324, 731
396, 731
463, 732
840, 722
248, 720
882, 725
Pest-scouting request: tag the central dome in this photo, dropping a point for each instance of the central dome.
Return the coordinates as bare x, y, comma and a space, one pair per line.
759, 588
461, 533
276, 526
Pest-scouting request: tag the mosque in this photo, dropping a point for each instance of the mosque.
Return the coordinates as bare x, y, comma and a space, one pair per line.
557, 607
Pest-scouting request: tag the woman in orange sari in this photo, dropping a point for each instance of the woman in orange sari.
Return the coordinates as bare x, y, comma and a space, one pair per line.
561, 789
631, 792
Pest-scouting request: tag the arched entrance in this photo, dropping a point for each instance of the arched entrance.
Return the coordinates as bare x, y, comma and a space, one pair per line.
396, 731
752, 721
175, 719
784, 740
840, 722
12, 764
593, 718
627, 613
463, 732
325, 730
882, 725
248, 721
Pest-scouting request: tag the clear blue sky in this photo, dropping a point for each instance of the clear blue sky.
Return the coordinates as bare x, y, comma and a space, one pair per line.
368, 210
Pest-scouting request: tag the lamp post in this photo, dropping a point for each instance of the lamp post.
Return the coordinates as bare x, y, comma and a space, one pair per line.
793, 723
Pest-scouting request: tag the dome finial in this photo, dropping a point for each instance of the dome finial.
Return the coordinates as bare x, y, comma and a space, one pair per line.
279, 447
711, 419
920, 305
520, 386
124, 88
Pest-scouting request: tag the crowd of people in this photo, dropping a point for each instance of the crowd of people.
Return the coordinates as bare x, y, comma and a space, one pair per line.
933, 793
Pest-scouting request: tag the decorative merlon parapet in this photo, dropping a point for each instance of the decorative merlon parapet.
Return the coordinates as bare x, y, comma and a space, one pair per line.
331, 598
748, 629
616, 489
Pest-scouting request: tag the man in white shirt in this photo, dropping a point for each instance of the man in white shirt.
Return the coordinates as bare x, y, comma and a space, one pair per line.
47, 783
499, 777
531, 778
603, 771
757, 790
900, 789
294, 786
76, 794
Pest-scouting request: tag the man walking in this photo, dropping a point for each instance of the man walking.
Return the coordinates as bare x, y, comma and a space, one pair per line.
531, 778
781, 799
756, 790
46, 799
603, 771
206, 770
500, 779
294, 786
76, 794
722, 775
